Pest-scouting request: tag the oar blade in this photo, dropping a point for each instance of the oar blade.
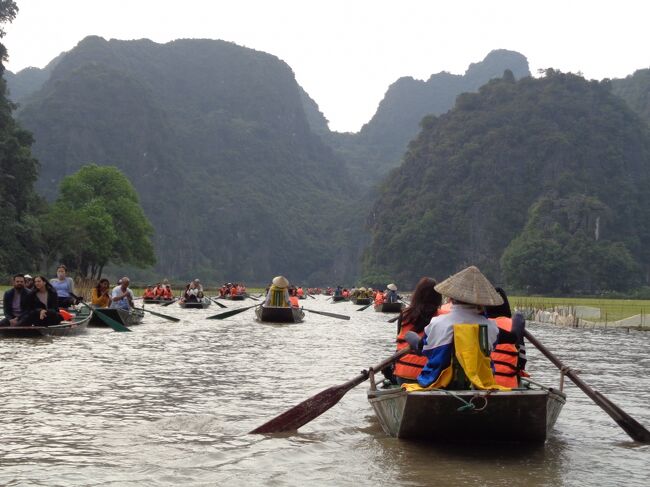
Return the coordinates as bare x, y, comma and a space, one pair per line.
631, 426
169, 303
230, 313
331, 315
214, 300
167, 317
115, 325
304, 412
365, 307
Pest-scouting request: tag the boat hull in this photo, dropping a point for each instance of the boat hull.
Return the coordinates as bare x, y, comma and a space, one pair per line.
238, 297
338, 298
388, 307
362, 301
279, 315
126, 318
65, 328
204, 303
514, 416
155, 301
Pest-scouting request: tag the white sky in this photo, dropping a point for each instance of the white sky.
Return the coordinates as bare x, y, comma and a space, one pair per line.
345, 53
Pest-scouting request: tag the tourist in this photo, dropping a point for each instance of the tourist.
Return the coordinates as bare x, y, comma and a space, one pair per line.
424, 306
390, 296
41, 305
29, 282
509, 354
278, 294
64, 287
100, 295
14, 301
469, 291
121, 296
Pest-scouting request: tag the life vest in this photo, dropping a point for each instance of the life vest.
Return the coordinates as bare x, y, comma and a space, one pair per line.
67, 316
233, 291
505, 357
167, 293
159, 291
379, 298
294, 301
148, 293
300, 292
410, 365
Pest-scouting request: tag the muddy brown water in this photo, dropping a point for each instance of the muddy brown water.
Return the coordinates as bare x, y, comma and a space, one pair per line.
171, 404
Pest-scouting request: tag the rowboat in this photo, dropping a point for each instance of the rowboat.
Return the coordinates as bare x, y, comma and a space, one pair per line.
237, 297
76, 325
389, 307
362, 301
520, 415
279, 315
155, 300
338, 298
122, 316
202, 303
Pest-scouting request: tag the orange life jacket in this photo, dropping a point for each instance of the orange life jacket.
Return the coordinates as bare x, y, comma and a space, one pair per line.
379, 298
148, 293
167, 293
505, 357
410, 365
159, 291
300, 292
67, 316
294, 301
233, 291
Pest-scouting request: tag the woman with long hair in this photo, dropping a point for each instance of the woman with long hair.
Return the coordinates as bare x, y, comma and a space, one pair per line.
42, 305
100, 294
425, 303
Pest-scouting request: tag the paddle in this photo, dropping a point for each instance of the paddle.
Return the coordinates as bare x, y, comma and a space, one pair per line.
214, 300
333, 315
117, 326
313, 407
253, 298
171, 301
167, 317
632, 427
230, 313
312, 297
366, 306
393, 320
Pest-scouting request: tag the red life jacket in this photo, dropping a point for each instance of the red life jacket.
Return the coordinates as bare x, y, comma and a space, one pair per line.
379, 298
167, 293
148, 293
294, 301
410, 365
505, 357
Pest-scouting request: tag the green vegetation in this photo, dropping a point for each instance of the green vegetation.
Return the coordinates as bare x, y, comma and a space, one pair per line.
635, 90
541, 183
97, 219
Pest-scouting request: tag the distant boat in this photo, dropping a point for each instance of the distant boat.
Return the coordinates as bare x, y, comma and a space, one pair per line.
76, 325
272, 314
236, 297
389, 307
339, 298
156, 300
362, 301
438, 416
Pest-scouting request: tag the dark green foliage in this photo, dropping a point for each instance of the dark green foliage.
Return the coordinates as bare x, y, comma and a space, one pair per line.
215, 139
635, 90
97, 220
381, 143
513, 180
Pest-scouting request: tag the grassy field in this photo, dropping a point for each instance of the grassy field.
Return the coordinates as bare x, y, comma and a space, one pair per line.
610, 309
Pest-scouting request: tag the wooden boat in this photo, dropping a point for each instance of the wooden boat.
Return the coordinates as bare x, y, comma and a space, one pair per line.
156, 300
202, 303
520, 415
338, 298
238, 297
389, 307
362, 301
279, 315
126, 318
76, 325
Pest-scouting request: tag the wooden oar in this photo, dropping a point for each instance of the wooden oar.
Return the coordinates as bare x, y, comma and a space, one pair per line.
632, 427
167, 317
170, 302
313, 407
214, 300
333, 315
312, 297
366, 306
253, 298
116, 325
393, 320
230, 313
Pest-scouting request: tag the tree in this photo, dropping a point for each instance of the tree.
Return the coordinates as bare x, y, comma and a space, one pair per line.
98, 219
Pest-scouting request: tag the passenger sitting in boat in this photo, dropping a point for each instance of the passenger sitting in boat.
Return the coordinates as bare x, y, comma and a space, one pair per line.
198, 286
167, 292
300, 292
362, 293
64, 287
379, 298
121, 296
29, 282
150, 293
509, 354
100, 296
278, 294
469, 291
390, 295
41, 305
191, 293
15, 302
294, 300
345, 293
424, 306
234, 291
338, 291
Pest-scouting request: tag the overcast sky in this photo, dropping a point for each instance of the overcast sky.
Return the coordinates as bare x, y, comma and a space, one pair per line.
345, 53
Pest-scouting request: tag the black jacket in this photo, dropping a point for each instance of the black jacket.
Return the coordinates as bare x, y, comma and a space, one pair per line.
9, 301
32, 302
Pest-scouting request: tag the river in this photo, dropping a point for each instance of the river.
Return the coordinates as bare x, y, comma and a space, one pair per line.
171, 404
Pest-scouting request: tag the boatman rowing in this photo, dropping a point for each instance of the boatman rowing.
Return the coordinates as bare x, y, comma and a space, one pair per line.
122, 297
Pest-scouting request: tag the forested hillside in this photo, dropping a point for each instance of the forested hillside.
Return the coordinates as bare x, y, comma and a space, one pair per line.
635, 90
542, 183
381, 143
215, 139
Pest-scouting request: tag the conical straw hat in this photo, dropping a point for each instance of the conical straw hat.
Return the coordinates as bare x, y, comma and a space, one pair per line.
280, 281
392, 287
470, 286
